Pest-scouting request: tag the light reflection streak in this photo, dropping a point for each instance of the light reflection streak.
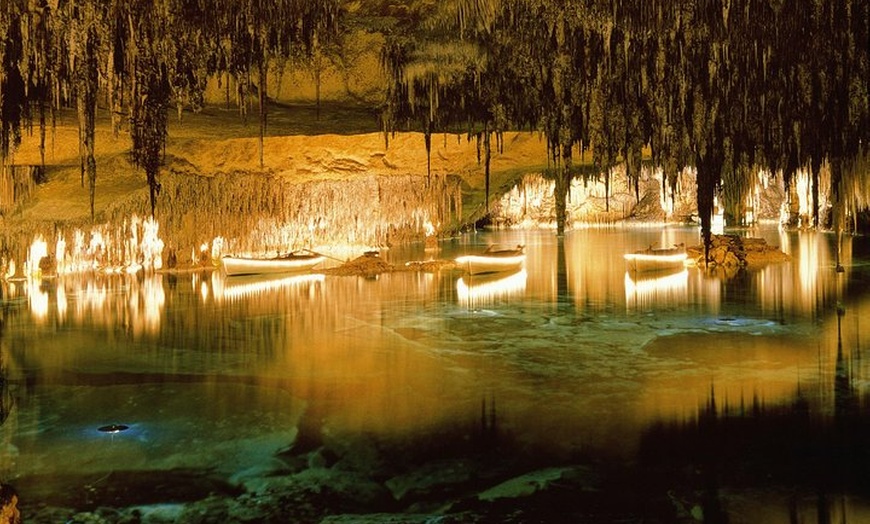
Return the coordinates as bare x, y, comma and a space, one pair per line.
486, 289
100, 299
38, 299
649, 290
232, 288
808, 264
61, 303
706, 290
153, 298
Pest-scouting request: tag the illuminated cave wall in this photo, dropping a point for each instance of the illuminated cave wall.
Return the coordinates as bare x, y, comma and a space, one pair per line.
590, 200
264, 215
199, 218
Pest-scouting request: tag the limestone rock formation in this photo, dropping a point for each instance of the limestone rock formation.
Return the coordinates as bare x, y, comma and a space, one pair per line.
732, 252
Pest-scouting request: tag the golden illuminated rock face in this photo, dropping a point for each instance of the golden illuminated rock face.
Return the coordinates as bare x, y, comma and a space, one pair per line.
357, 191
609, 92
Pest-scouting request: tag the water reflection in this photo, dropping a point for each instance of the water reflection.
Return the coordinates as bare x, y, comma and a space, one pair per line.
659, 289
579, 356
231, 288
480, 290
793, 456
133, 301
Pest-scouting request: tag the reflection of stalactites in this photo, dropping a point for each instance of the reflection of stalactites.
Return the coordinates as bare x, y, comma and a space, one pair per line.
711, 405
5, 395
845, 401
488, 433
757, 405
708, 413
562, 291
4, 410
801, 406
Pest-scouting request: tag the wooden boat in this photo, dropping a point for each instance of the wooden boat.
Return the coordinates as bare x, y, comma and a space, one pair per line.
290, 263
493, 260
656, 259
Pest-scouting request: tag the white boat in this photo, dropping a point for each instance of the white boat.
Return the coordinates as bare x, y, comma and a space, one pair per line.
290, 263
656, 259
493, 260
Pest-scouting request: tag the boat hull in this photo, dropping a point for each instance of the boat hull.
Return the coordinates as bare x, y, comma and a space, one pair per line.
238, 266
651, 262
494, 263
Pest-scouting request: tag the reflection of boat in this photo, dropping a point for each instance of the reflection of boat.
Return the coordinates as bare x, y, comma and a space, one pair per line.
233, 287
656, 259
490, 286
493, 260
293, 262
656, 288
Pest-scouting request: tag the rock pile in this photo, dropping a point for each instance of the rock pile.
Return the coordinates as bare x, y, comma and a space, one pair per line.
369, 264
733, 252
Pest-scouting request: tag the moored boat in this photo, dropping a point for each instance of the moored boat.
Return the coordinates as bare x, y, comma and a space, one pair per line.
656, 259
493, 260
290, 263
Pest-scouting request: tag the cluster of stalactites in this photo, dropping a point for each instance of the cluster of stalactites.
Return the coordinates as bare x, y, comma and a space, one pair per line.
143, 56
726, 88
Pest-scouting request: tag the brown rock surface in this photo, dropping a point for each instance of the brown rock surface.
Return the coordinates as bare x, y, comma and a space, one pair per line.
733, 251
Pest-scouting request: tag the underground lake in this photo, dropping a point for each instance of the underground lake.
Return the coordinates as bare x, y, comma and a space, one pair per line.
569, 388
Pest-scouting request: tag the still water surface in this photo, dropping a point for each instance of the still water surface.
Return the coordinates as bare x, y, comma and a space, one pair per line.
573, 354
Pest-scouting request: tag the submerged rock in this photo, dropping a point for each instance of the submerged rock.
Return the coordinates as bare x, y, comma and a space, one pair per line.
524, 485
431, 477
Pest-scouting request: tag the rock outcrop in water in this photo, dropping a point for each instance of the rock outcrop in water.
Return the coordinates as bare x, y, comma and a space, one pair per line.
731, 252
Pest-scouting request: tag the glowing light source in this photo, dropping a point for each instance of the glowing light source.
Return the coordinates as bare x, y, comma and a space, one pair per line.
113, 428
38, 251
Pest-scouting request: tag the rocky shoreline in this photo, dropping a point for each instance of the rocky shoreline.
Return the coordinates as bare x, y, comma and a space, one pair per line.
468, 475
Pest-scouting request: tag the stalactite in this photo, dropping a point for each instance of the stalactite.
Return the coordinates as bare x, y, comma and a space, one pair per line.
427, 138
262, 100
815, 168
655, 74
486, 169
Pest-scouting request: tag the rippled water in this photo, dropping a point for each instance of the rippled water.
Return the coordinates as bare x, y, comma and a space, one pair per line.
570, 354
